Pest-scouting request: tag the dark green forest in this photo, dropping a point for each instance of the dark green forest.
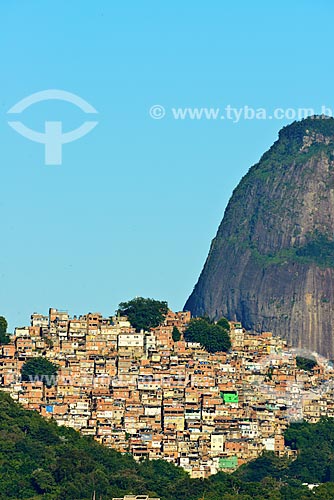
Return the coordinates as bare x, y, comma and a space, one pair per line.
39, 460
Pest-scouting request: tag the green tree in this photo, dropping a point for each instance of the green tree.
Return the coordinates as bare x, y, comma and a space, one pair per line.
176, 334
219, 339
43, 480
267, 465
223, 322
3, 325
211, 336
4, 338
306, 364
144, 314
40, 369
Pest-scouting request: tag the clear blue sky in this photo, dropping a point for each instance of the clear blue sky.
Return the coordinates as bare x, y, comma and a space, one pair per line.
135, 204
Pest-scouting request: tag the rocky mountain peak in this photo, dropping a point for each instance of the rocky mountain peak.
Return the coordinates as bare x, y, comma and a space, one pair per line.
271, 264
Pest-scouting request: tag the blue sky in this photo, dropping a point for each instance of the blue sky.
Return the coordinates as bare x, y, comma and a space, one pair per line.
133, 207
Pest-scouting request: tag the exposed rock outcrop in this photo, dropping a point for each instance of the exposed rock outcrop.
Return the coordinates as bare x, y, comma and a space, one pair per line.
271, 264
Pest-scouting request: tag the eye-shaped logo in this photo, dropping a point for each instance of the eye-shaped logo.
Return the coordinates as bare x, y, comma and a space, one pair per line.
53, 138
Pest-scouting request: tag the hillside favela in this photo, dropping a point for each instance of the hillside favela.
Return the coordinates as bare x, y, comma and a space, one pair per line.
167, 250
231, 398
158, 398
206, 396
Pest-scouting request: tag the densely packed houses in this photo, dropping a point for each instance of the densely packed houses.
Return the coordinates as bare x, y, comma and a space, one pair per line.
144, 394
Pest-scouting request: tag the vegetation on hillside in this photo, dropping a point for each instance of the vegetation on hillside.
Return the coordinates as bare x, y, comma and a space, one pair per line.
306, 364
142, 313
318, 249
214, 337
276, 164
4, 338
223, 322
176, 335
39, 460
315, 443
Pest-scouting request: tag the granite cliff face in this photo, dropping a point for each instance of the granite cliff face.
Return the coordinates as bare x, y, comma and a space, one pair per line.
271, 264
